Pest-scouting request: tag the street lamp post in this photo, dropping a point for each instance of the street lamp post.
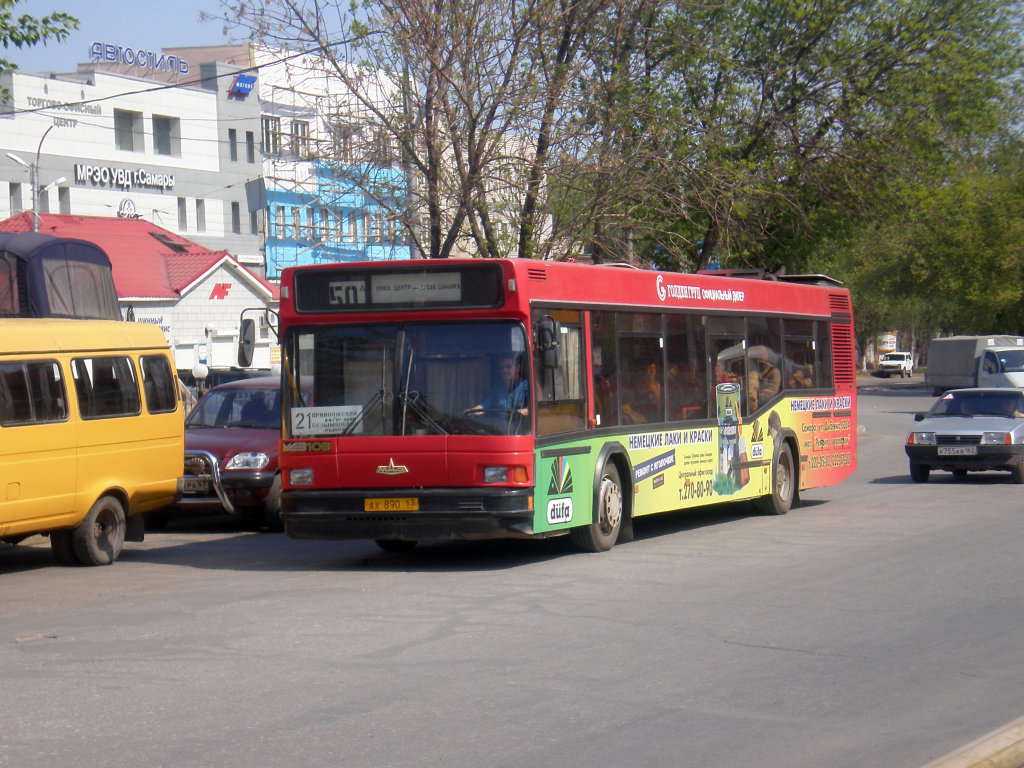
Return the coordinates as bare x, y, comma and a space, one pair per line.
33, 172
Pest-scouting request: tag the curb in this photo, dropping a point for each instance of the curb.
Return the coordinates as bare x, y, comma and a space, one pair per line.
1003, 748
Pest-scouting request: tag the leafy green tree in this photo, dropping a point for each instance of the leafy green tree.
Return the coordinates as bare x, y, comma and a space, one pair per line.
26, 30
765, 119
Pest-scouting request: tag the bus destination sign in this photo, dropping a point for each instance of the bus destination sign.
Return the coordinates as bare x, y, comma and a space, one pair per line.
359, 290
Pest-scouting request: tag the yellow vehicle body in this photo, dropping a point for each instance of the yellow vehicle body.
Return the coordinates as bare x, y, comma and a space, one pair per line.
63, 452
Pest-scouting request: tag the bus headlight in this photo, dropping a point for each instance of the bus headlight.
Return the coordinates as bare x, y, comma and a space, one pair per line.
495, 474
250, 460
505, 475
301, 476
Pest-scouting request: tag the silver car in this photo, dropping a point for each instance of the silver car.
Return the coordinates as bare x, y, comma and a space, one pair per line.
969, 430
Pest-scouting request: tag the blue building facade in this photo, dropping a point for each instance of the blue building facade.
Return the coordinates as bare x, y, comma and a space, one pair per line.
335, 220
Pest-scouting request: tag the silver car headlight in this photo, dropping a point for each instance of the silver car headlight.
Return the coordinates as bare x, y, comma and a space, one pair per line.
996, 438
250, 460
921, 438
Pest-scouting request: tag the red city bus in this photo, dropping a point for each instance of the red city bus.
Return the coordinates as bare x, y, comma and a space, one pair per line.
472, 398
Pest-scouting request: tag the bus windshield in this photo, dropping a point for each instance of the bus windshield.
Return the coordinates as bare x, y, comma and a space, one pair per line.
408, 379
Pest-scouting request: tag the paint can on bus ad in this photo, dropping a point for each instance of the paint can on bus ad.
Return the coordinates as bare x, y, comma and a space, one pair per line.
727, 403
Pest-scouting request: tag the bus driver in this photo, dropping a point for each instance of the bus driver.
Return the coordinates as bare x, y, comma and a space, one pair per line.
510, 393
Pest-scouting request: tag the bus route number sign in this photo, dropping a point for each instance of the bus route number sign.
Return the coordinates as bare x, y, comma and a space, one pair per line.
347, 293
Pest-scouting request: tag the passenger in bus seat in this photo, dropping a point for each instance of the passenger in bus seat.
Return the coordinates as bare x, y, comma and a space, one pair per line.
647, 394
690, 389
769, 380
510, 392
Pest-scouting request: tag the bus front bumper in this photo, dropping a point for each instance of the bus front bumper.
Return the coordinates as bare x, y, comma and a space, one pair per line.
441, 514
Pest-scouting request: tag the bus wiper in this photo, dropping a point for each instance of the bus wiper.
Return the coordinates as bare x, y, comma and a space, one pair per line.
410, 401
382, 396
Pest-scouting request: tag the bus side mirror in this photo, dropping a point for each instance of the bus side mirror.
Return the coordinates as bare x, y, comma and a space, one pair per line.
246, 342
548, 332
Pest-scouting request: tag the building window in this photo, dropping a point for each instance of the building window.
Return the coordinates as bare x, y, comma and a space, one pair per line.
43, 205
310, 225
325, 225
128, 130
232, 145
300, 139
282, 232
296, 223
271, 135
254, 222
200, 215
250, 147
182, 214
64, 199
236, 218
166, 135
15, 198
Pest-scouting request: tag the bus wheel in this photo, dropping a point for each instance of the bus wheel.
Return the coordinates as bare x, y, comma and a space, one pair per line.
98, 539
601, 534
780, 499
396, 545
63, 550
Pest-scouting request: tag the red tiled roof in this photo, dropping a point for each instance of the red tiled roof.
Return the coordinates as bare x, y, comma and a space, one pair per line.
147, 261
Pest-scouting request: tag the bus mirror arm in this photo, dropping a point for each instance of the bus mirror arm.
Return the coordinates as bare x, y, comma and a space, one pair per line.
548, 331
247, 333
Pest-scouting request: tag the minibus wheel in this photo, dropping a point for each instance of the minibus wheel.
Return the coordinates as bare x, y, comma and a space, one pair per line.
98, 539
600, 535
63, 549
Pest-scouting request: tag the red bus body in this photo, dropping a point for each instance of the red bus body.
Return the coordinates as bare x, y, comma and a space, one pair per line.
380, 359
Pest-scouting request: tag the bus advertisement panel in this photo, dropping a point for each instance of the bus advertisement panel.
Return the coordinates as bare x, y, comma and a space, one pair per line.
470, 398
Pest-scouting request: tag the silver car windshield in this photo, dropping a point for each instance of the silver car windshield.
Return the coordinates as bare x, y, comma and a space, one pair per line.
1009, 404
409, 379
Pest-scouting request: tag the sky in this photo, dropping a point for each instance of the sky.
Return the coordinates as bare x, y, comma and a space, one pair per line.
147, 25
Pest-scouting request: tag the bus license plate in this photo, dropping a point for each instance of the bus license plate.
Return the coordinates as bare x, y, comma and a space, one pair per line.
958, 450
391, 505
196, 485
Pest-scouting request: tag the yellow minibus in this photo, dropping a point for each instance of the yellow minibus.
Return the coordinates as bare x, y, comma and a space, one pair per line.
91, 433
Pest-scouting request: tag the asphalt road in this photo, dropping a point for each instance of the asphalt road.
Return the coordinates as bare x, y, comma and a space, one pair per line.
879, 624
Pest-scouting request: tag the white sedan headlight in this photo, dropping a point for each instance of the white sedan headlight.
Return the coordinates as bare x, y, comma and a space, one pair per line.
921, 438
250, 460
996, 438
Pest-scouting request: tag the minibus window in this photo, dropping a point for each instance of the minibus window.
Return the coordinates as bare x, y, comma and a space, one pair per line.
32, 393
158, 384
106, 387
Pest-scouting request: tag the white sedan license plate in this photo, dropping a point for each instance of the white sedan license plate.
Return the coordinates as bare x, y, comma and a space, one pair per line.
196, 485
958, 450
